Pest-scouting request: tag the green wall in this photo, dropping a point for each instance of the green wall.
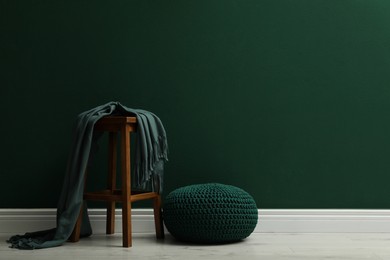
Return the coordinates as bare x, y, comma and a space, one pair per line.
287, 99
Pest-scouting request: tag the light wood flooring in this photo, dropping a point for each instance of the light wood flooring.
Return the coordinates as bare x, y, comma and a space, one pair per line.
265, 246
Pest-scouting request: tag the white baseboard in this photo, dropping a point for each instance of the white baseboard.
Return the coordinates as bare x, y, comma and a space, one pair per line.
323, 221
270, 220
28, 220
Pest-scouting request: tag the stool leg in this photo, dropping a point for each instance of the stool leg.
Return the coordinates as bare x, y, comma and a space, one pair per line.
112, 157
75, 236
158, 220
126, 187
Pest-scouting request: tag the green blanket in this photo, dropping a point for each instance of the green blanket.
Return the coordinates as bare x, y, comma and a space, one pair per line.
151, 152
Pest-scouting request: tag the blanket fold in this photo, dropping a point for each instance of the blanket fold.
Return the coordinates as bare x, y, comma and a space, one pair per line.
150, 153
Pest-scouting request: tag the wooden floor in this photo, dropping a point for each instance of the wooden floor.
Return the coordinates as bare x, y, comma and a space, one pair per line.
265, 246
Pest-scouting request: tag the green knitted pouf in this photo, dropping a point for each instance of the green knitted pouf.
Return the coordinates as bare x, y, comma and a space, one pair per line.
210, 213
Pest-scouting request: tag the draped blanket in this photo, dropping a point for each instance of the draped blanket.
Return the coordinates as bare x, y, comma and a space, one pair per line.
150, 154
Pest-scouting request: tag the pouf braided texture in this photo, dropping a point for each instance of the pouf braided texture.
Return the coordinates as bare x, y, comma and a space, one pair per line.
210, 213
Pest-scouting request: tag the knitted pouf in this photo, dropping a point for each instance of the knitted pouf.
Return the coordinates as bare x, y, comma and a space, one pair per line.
210, 213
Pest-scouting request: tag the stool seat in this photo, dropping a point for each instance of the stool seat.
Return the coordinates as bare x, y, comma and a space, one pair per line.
122, 125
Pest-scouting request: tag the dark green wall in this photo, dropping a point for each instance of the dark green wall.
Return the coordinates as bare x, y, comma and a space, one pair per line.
287, 99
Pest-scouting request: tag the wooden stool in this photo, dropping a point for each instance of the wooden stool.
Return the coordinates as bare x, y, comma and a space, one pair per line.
123, 125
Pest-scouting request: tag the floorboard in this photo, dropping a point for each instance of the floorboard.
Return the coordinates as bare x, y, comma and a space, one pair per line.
275, 246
